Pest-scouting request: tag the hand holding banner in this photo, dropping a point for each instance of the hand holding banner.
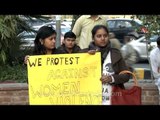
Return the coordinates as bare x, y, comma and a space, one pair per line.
67, 79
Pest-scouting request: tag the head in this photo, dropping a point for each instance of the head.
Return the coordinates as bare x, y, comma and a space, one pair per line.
100, 35
94, 15
158, 41
111, 35
127, 39
45, 40
69, 40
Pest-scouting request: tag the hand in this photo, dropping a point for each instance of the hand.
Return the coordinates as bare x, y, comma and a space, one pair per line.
26, 59
106, 79
92, 52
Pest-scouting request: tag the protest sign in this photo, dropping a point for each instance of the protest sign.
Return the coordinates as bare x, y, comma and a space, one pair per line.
65, 79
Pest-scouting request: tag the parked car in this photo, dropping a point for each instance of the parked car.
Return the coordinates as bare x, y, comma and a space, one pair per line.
64, 28
122, 27
36, 21
141, 45
27, 39
67, 23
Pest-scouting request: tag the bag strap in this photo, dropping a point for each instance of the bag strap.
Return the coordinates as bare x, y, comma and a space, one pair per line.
133, 75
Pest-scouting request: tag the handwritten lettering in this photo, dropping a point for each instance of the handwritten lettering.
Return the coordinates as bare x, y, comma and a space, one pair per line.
37, 62
52, 90
62, 60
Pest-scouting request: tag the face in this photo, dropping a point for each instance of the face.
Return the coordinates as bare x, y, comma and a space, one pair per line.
101, 38
49, 42
69, 42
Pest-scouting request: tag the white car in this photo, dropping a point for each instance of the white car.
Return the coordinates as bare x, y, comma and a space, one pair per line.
142, 46
67, 23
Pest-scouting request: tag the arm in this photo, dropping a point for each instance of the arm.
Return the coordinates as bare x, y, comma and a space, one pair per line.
154, 65
26, 59
124, 51
120, 79
118, 66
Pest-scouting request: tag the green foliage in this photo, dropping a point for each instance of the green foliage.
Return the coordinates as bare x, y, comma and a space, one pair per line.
10, 27
16, 73
11, 57
152, 22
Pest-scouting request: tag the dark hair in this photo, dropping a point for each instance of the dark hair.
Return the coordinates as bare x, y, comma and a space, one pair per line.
69, 34
43, 32
97, 27
158, 41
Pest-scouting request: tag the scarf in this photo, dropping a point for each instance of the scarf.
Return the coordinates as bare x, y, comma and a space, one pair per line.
103, 50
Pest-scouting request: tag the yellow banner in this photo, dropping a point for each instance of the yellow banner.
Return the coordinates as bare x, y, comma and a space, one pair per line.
65, 79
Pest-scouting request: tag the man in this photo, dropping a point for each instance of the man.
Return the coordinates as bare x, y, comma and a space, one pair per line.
69, 44
155, 63
129, 54
83, 27
114, 41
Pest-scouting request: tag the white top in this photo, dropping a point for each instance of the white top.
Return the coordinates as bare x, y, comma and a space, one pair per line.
155, 61
107, 88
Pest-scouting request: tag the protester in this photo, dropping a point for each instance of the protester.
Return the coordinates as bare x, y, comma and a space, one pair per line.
44, 42
155, 63
112, 62
69, 44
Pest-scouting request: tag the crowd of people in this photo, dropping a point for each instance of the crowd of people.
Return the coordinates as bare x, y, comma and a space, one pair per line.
89, 35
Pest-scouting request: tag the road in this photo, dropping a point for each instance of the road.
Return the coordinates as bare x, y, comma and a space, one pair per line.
144, 64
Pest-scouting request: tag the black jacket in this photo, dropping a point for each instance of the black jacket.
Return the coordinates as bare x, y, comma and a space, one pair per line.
62, 49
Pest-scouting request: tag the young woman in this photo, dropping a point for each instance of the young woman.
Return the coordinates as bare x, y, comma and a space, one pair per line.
112, 62
44, 42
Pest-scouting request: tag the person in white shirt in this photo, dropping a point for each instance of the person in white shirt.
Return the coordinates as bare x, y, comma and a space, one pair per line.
83, 27
155, 63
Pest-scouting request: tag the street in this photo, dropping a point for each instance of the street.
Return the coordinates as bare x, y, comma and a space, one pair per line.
143, 64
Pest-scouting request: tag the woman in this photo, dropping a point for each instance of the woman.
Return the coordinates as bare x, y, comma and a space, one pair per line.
44, 42
112, 62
